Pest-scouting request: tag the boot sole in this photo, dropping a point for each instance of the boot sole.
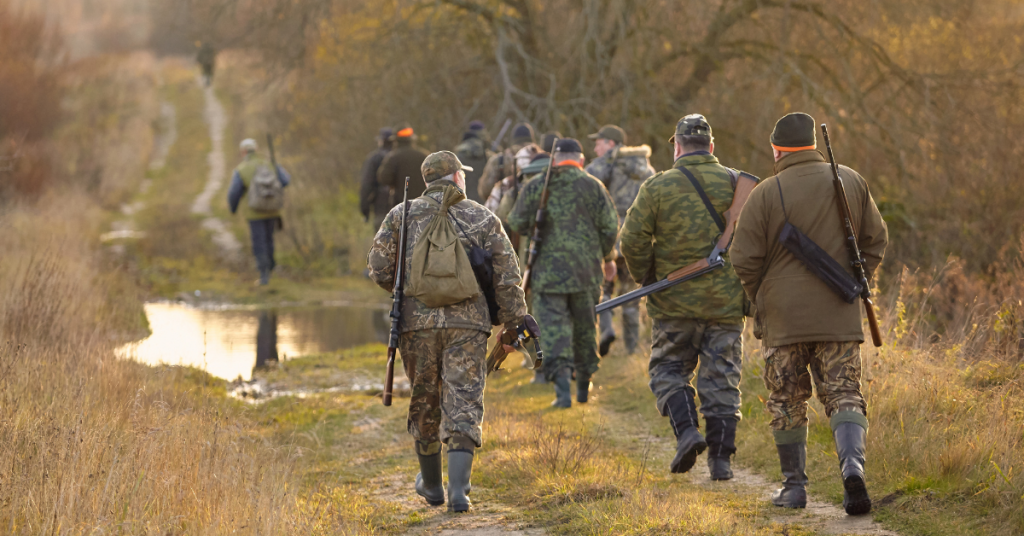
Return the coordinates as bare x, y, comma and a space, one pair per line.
685, 462
857, 501
458, 508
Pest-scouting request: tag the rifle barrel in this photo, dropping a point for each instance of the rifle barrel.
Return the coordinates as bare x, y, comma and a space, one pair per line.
655, 287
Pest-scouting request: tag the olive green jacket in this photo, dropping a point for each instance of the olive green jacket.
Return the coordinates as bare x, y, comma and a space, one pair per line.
669, 227
792, 304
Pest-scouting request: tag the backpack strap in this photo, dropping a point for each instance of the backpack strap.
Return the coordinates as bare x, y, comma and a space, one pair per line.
782, 199
704, 197
457, 222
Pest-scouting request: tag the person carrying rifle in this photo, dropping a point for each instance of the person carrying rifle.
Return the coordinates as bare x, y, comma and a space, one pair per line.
375, 197
501, 165
578, 239
475, 152
676, 219
261, 183
443, 348
809, 334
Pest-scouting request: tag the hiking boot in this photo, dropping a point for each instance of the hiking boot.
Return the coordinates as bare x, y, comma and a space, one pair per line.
428, 481
538, 378
721, 437
850, 438
792, 459
582, 389
460, 470
606, 343
563, 394
682, 413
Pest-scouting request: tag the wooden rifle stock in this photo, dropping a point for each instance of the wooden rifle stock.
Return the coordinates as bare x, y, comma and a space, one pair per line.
398, 295
851, 243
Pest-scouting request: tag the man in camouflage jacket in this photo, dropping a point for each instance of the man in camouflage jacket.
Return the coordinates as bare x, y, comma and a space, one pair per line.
474, 152
578, 236
700, 321
502, 164
622, 169
443, 349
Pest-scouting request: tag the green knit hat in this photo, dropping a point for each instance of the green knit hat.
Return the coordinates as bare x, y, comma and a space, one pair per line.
794, 132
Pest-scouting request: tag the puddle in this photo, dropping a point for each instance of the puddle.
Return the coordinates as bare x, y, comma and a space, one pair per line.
230, 343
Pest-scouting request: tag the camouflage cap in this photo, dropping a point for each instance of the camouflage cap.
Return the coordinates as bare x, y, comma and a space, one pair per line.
441, 164
610, 132
692, 125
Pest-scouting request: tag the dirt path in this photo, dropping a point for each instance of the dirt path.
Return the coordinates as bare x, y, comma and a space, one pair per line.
216, 118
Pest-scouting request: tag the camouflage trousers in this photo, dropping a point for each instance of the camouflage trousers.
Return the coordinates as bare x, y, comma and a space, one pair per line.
835, 369
630, 311
680, 344
568, 335
446, 369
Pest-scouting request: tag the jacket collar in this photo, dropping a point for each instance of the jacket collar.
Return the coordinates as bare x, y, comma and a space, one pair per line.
693, 159
798, 157
439, 186
569, 164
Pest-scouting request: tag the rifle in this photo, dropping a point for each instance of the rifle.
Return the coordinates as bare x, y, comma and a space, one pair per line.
538, 221
273, 159
496, 144
397, 296
527, 331
744, 185
851, 242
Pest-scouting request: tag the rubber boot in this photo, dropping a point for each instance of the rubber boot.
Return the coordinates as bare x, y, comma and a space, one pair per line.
850, 438
582, 388
793, 460
538, 378
460, 470
428, 481
721, 437
264, 277
605, 345
682, 412
563, 391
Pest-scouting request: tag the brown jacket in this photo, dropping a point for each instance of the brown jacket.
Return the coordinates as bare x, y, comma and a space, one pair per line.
403, 161
793, 305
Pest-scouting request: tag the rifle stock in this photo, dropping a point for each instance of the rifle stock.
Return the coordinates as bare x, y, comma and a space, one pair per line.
397, 296
852, 246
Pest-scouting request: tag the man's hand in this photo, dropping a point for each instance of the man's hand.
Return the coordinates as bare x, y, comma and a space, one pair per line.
610, 270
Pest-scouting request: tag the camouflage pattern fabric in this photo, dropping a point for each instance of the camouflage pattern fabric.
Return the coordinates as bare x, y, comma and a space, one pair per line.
630, 311
473, 152
834, 367
498, 167
579, 230
623, 170
567, 332
679, 346
480, 225
668, 227
447, 369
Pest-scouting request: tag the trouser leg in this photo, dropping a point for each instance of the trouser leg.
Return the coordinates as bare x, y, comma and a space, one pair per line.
674, 357
463, 374
421, 353
789, 382
630, 311
585, 359
552, 313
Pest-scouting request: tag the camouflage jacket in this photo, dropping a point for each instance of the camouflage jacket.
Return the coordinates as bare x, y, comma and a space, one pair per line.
498, 167
669, 227
623, 170
473, 152
485, 231
578, 232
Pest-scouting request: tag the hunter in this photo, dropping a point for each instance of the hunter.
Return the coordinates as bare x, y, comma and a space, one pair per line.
475, 153
264, 184
622, 169
698, 322
576, 251
809, 335
373, 196
443, 348
501, 165
403, 161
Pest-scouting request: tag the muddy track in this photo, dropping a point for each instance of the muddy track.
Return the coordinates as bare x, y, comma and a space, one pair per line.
216, 119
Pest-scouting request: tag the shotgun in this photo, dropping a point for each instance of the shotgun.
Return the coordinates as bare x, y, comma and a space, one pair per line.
398, 295
857, 261
538, 221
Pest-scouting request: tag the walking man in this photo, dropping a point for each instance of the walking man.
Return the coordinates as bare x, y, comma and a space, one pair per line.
403, 161
669, 226
264, 185
443, 348
622, 169
502, 164
473, 151
578, 239
808, 333
373, 196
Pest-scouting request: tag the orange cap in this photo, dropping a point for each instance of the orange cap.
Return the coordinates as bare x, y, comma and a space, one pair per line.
405, 132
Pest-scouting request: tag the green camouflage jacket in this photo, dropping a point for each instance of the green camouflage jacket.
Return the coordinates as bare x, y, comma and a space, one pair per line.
623, 170
578, 233
669, 227
484, 229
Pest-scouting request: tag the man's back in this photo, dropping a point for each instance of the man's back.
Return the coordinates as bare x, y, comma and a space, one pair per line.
403, 161
473, 152
578, 232
670, 224
373, 195
623, 170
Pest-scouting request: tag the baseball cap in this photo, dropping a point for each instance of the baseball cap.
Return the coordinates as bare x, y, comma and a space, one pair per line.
441, 164
692, 125
610, 132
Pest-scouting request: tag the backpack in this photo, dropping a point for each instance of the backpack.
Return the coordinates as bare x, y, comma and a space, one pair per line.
266, 193
441, 273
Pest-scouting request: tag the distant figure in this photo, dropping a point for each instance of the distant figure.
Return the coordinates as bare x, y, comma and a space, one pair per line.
548, 140
256, 176
403, 161
207, 59
374, 196
501, 165
473, 152
266, 339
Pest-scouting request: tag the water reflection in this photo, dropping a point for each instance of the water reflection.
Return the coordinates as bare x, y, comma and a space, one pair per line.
230, 343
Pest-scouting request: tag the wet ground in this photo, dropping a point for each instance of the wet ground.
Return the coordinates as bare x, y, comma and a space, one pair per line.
230, 342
